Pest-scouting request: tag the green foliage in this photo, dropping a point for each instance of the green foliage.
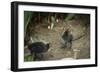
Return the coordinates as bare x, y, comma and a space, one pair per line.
69, 17
28, 58
27, 19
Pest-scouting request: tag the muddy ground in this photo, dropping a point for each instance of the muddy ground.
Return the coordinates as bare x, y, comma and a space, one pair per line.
81, 46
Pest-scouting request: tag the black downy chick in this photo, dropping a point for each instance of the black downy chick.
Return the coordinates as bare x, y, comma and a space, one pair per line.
37, 48
67, 37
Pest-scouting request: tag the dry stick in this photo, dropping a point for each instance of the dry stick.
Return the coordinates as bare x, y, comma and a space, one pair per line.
79, 37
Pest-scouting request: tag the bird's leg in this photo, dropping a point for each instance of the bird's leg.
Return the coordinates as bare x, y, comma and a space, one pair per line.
35, 57
64, 45
40, 56
70, 45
